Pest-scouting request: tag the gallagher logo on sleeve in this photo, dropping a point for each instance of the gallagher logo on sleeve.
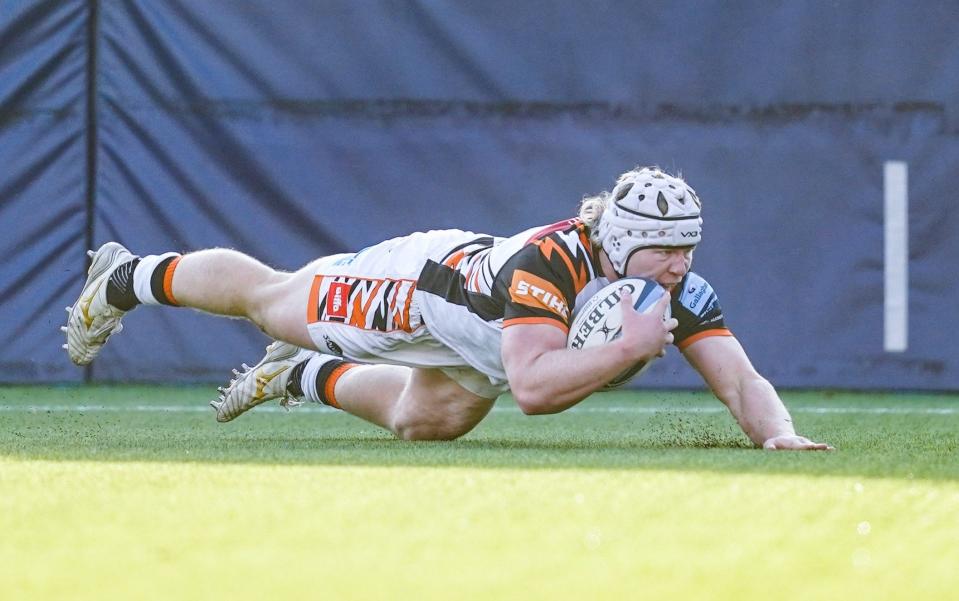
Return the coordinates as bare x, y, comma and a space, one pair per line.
533, 291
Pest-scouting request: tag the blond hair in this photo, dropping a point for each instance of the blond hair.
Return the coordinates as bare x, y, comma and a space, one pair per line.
591, 210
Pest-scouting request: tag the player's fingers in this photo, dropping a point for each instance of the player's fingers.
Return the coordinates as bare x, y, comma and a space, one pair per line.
625, 298
662, 306
671, 323
669, 338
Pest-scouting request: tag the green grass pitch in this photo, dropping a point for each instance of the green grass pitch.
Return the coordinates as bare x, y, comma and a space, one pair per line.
137, 493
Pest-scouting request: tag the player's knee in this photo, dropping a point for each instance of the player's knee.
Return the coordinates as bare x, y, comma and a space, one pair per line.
411, 428
434, 407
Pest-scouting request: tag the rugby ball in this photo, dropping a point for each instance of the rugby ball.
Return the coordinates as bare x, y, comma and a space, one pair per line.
599, 319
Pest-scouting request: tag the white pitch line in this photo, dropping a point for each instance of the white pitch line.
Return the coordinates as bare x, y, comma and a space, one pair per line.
639, 409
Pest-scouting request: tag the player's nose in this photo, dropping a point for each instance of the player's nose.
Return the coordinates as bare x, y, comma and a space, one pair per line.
679, 266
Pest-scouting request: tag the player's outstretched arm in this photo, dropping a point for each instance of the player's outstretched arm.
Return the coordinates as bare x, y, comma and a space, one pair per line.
751, 399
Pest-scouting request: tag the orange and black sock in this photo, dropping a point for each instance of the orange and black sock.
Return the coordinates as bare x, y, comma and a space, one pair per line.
161, 281
147, 280
316, 379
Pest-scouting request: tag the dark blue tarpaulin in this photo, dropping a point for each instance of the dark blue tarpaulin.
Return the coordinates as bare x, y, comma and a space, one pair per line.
291, 130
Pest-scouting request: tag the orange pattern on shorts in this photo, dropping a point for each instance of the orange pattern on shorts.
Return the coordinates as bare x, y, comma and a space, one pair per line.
373, 304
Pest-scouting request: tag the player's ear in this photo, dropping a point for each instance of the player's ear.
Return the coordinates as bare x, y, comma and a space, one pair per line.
607, 266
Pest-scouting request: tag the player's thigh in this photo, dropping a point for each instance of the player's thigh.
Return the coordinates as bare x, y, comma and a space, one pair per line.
280, 307
433, 406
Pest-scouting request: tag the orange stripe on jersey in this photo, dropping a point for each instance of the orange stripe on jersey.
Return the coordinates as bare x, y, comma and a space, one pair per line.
548, 246
581, 231
533, 291
580, 279
584, 238
704, 334
474, 281
516, 321
168, 280
454, 259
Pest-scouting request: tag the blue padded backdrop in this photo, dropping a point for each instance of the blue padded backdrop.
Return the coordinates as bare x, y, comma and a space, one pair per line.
290, 130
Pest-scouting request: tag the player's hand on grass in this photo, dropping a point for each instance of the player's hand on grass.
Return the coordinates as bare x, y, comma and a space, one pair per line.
794, 442
648, 333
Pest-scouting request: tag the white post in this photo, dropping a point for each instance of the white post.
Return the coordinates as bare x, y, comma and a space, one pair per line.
896, 220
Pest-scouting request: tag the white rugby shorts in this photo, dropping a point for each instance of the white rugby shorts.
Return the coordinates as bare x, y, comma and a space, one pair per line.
364, 307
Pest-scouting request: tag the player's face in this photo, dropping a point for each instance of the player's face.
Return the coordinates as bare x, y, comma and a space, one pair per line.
666, 265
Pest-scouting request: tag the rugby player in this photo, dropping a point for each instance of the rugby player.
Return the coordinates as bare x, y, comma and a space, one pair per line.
420, 334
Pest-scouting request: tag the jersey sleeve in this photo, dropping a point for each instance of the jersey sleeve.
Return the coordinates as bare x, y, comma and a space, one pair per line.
697, 309
537, 288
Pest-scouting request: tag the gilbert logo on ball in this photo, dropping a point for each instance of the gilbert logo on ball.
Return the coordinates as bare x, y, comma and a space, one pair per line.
600, 319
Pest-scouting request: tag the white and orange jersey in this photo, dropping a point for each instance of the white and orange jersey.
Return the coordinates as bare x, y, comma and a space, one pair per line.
532, 277
442, 298
485, 284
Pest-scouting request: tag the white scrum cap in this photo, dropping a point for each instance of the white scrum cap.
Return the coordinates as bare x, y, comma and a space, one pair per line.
648, 208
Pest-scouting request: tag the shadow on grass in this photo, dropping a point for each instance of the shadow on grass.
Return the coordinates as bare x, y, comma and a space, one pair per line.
922, 447
724, 451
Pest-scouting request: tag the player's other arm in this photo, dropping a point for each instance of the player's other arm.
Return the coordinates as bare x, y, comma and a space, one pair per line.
546, 377
751, 399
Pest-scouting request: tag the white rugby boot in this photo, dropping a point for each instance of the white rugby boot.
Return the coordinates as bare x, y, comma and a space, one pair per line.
263, 382
91, 319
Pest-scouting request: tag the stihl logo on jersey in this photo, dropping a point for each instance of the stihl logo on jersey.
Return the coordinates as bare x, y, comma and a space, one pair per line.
336, 299
533, 291
546, 297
